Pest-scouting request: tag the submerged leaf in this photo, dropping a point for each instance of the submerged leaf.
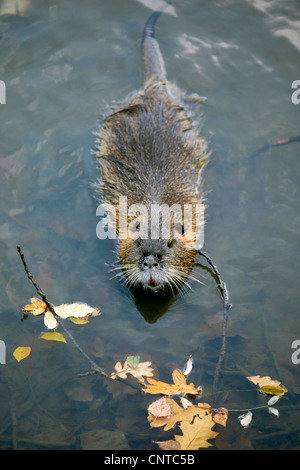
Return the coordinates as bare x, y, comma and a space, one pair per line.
21, 352
80, 321
53, 336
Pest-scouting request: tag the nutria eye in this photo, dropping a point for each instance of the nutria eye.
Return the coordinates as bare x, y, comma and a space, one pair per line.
138, 241
179, 228
170, 243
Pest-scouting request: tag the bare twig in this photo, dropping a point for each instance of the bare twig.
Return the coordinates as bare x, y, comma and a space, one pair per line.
226, 307
51, 308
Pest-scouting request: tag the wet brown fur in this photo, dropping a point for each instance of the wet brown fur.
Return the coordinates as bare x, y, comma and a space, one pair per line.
149, 151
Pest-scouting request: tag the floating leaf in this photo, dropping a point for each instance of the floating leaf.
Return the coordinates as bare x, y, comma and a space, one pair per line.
176, 413
185, 402
21, 352
273, 411
53, 336
273, 400
268, 385
161, 408
220, 416
139, 371
76, 310
246, 419
195, 435
188, 366
133, 361
80, 321
36, 307
271, 390
180, 386
50, 320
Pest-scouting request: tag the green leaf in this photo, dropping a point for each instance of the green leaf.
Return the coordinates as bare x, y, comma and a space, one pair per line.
133, 361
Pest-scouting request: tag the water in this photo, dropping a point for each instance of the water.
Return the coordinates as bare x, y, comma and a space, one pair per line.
64, 64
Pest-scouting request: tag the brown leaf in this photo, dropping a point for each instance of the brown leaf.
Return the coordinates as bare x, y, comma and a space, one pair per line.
171, 444
220, 416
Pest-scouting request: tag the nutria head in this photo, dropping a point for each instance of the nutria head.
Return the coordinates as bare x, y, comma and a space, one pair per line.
160, 265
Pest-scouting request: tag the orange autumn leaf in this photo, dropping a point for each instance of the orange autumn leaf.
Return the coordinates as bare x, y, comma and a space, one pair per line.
178, 387
195, 435
166, 412
36, 307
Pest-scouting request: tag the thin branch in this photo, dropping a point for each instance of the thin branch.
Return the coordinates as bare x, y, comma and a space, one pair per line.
51, 308
226, 306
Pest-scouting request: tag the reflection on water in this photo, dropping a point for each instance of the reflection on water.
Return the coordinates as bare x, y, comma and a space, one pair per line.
64, 65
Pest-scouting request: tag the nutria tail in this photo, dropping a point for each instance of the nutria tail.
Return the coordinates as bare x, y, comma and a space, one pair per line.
154, 67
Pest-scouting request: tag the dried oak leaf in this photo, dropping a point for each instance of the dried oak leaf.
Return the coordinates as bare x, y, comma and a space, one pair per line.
177, 413
178, 387
268, 385
195, 435
139, 371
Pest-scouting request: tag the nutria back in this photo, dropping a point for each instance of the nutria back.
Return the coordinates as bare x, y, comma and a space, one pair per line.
150, 155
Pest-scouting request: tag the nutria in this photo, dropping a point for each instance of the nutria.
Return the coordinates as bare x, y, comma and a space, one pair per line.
150, 154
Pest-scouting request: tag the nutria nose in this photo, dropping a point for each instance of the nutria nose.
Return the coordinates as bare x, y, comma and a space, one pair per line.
149, 261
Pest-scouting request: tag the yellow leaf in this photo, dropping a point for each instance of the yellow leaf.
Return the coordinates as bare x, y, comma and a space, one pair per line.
274, 391
180, 386
21, 352
80, 321
53, 336
195, 435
